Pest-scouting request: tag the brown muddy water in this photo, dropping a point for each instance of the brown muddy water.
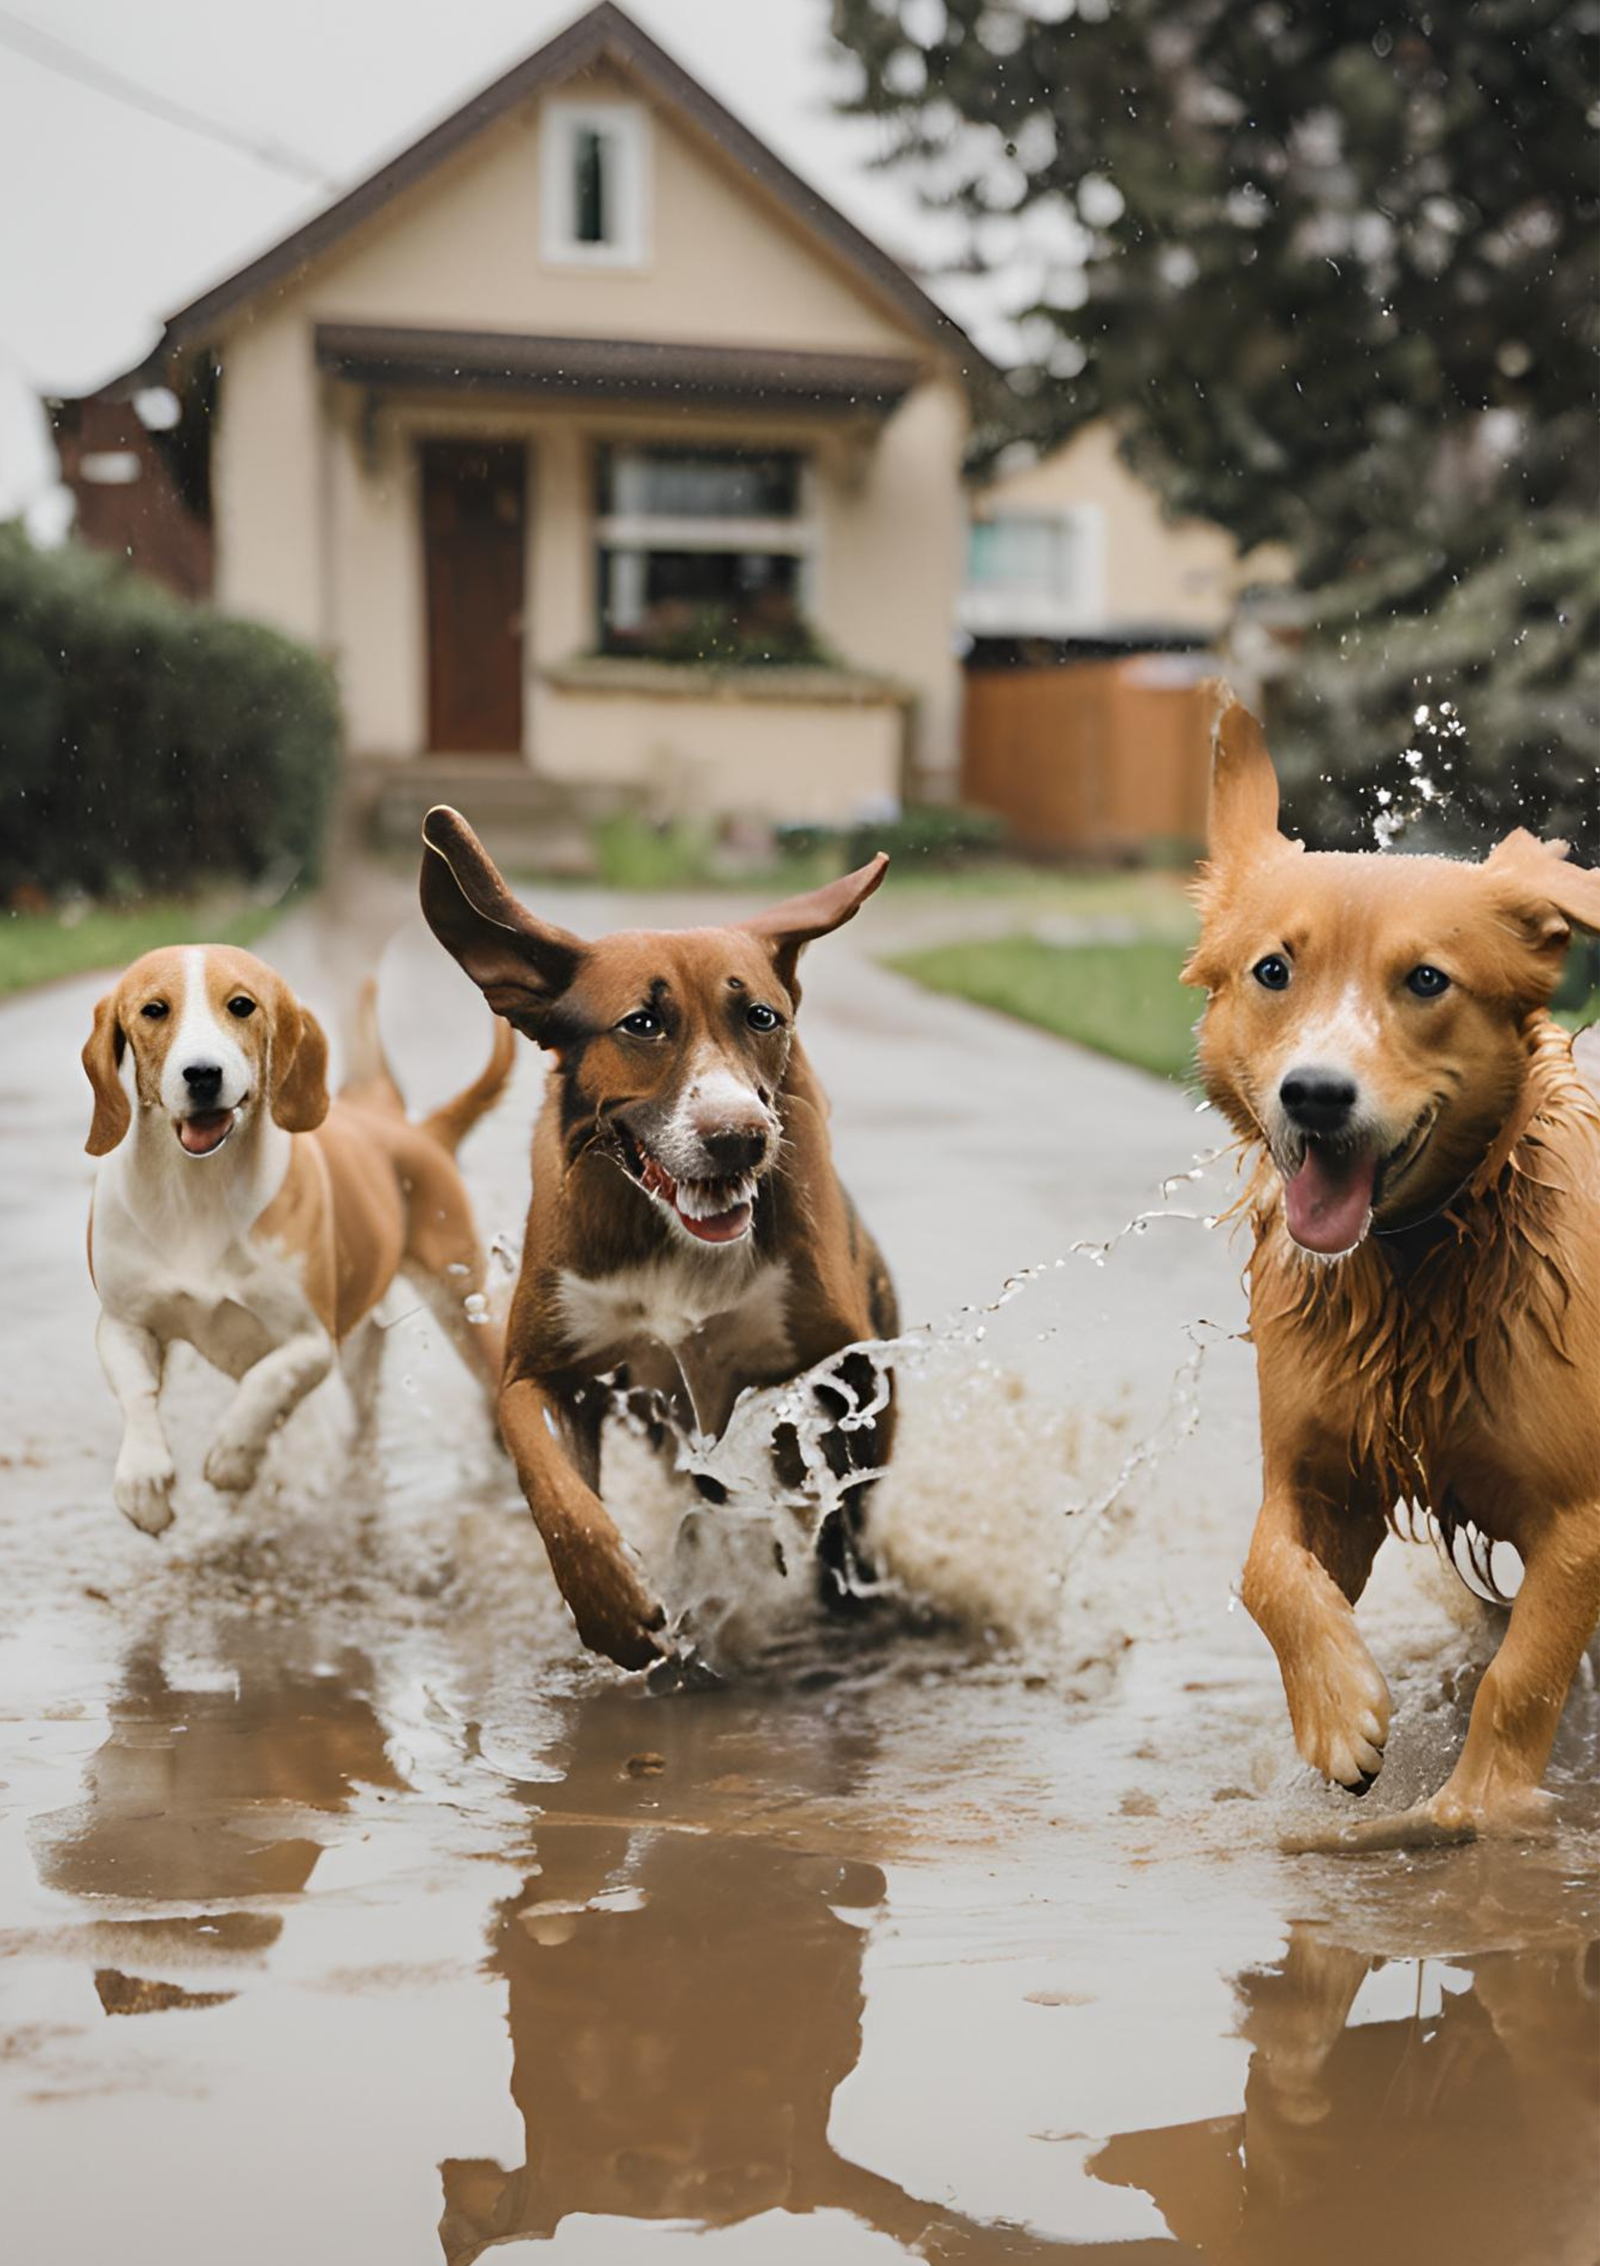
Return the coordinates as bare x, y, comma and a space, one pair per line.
347, 1914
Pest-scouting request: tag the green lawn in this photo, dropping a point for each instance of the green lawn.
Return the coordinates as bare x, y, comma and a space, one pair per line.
1120, 999
631, 854
36, 948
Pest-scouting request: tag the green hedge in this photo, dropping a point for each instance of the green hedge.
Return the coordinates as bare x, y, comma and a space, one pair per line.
149, 744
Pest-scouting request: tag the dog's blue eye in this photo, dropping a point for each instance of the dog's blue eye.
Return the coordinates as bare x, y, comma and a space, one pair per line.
1272, 973
1427, 982
643, 1023
761, 1018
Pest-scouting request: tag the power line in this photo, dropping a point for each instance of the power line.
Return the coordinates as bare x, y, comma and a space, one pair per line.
52, 54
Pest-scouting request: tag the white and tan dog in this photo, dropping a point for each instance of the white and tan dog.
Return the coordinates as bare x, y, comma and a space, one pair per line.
239, 1211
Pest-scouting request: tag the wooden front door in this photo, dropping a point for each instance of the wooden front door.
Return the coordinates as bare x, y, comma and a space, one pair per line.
474, 534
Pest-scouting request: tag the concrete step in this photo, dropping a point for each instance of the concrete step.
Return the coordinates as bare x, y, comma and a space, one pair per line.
523, 819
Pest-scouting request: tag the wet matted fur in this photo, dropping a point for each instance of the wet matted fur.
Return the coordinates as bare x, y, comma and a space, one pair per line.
1425, 1277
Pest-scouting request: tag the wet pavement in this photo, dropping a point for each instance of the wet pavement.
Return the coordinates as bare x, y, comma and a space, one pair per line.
347, 1914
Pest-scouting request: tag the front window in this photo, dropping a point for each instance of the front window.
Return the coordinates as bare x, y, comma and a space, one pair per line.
704, 554
594, 183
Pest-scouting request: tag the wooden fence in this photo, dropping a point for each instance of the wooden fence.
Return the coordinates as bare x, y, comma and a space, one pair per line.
1101, 759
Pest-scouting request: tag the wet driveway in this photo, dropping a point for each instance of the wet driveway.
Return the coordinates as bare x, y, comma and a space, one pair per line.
347, 1915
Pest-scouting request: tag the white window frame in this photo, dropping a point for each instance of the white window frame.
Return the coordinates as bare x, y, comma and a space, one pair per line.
797, 537
1004, 611
628, 124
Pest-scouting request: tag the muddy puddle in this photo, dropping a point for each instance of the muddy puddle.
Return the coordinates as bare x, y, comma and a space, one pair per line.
347, 1915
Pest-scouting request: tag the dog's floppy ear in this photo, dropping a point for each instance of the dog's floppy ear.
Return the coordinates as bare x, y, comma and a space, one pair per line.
788, 928
299, 1096
520, 964
102, 1059
1243, 815
1543, 893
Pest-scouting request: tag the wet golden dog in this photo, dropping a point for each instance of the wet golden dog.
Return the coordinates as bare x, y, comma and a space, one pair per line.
1425, 1281
688, 1235
236, 1209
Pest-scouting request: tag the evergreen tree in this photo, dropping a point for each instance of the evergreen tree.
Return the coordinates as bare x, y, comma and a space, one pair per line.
1330, 267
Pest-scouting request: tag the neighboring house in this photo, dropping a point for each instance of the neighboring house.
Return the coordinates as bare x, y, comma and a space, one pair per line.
579, 401
1092, 619
1074, 549
128, 491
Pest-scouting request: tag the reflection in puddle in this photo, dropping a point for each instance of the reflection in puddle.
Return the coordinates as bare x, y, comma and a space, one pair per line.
198, 1793
678, 1950
1457, 2117
683, 1999
681, 2009
132, 1994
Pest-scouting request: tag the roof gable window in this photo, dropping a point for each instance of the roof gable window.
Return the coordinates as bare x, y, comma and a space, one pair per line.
595, 178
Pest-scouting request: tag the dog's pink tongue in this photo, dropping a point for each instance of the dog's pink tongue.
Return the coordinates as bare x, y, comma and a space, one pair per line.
205, 1131
721, 1227
1328, 1202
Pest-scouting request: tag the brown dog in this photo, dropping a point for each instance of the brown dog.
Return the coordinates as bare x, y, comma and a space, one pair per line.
236, 1209
688, 1236
1425, 1282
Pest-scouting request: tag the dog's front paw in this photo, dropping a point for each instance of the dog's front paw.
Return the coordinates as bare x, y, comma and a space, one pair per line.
142, 1488
615, 1613
233, 1464
1340, 1707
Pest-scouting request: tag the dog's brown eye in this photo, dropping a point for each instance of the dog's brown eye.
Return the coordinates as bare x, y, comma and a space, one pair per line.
761, 1018
241, 1007
644, 1023
1272, 973
1427, 982
153, 1010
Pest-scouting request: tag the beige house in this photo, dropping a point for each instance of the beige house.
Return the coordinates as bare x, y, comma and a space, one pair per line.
577, 404
1073, 546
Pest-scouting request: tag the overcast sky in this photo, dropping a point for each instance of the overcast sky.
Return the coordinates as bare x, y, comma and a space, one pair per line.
114, 218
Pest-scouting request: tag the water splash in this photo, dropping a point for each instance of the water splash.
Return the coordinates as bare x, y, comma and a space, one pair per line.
1430, 769
1005, 1469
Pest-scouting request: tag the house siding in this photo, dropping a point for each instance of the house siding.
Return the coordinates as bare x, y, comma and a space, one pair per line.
461, 249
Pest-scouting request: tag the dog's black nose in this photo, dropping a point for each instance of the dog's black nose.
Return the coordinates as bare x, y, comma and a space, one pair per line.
203, 1079
735, 1149
1319, 1101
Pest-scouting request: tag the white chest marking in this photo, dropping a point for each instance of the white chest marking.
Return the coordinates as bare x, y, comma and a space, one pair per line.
175, 1249
678, 1298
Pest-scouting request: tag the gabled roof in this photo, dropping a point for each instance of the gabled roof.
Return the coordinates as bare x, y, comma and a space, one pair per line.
605, 35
